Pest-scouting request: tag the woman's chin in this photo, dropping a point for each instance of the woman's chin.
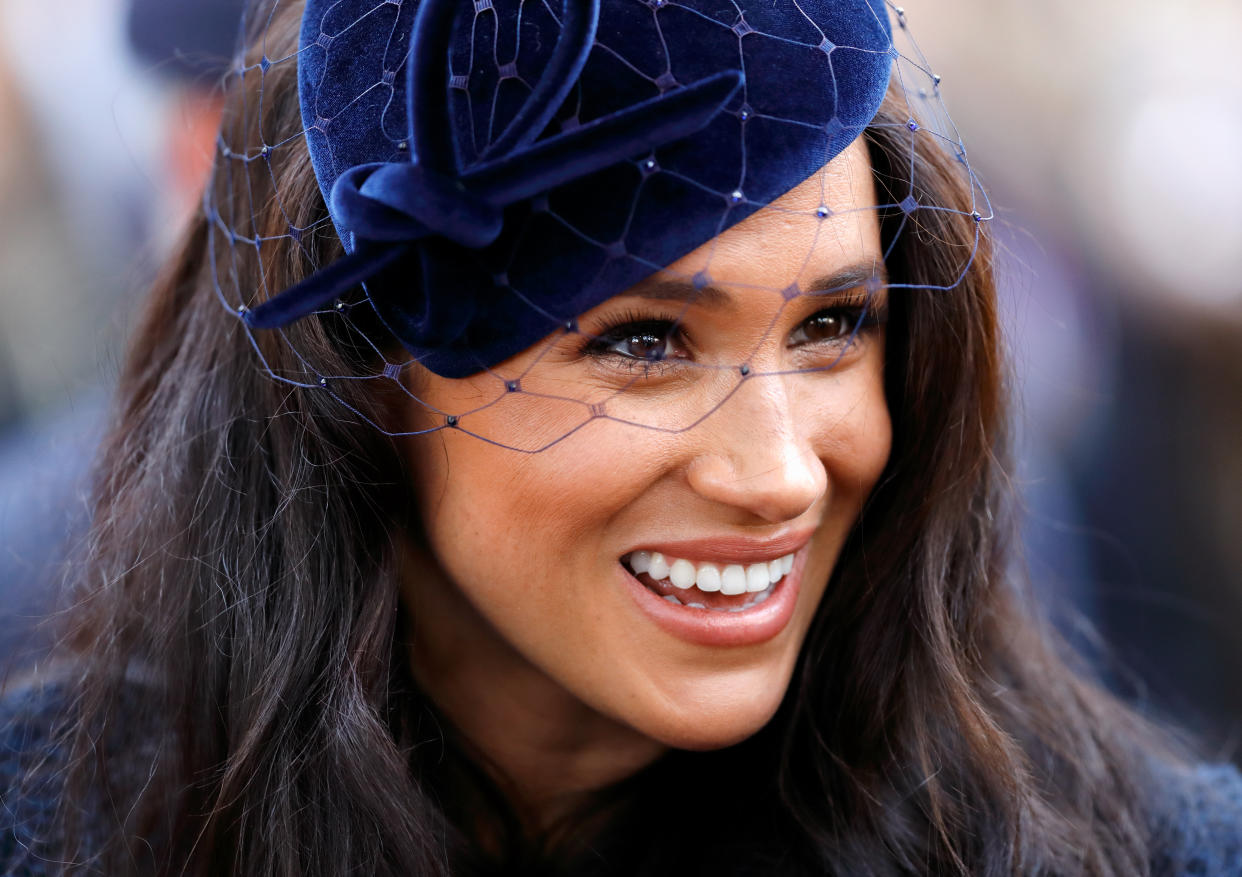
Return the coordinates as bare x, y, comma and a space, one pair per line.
712, 726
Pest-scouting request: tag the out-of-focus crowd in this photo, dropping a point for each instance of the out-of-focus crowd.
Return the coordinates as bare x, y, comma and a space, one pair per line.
1108, 136
108, 114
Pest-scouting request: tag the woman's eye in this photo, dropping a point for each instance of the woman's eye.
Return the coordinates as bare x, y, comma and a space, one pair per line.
649, 342
834, 324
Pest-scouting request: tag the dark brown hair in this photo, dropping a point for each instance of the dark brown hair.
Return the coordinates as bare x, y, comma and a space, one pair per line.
242, 558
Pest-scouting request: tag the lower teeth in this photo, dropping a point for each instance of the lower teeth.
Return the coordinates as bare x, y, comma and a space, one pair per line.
755, 601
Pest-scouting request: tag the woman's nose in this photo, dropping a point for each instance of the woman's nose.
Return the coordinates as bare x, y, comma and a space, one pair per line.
757, 455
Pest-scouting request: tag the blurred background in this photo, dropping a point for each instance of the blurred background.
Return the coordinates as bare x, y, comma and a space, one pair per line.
1109, 136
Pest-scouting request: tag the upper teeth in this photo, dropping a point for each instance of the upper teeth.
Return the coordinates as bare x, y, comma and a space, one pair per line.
733, 578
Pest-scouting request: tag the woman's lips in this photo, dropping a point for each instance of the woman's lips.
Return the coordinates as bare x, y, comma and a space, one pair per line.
733, 549
746, 618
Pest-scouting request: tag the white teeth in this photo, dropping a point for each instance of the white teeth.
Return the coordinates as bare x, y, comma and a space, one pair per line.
682, 574
731, 579
708, 578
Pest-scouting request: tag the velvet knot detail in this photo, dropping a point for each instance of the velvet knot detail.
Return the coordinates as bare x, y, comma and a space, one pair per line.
406, 202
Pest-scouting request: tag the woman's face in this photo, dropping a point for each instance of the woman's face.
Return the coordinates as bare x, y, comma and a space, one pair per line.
542, 568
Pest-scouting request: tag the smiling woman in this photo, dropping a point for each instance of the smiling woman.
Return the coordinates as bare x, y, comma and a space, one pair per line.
571, 440
665, 601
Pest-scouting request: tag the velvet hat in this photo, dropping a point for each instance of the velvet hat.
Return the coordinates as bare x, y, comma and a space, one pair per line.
495, 168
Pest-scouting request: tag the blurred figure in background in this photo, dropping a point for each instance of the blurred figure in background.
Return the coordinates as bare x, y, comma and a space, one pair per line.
42, 284
95, 123
190, 45
105, 157
1165, 484
38, 265
1112, 164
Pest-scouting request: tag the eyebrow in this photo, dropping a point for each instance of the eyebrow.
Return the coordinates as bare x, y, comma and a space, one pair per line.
690, 291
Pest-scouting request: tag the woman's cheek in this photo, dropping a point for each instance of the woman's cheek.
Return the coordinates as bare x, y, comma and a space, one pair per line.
855, 429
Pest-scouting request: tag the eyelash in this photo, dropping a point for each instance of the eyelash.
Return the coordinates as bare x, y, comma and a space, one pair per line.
858, 316
629, 325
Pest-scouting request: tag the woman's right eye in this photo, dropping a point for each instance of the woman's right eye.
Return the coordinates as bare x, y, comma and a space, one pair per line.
647, 341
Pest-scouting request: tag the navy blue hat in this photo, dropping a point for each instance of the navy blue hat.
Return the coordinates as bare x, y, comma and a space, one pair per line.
497, 167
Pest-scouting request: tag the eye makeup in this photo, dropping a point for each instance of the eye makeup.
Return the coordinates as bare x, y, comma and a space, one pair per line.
654, 340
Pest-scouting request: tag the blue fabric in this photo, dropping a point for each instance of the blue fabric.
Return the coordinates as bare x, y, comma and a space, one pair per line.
1196, 812
496, 168
1201, 832
28, 794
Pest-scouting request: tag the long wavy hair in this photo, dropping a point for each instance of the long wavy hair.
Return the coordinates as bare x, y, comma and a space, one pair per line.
238, 611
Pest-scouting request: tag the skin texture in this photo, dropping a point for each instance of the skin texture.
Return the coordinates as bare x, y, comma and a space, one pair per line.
523, 631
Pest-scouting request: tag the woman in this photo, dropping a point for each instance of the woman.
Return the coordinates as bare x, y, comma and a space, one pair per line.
645, 515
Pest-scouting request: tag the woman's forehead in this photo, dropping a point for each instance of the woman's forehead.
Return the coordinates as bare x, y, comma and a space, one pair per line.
826, 225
